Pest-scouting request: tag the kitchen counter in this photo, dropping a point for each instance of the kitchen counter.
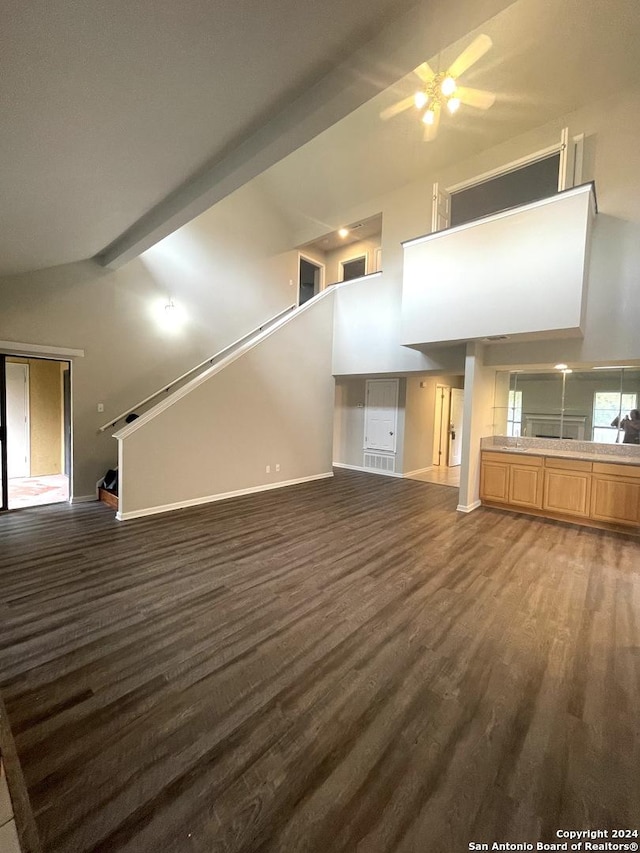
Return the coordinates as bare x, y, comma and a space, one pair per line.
617, 454
593, 484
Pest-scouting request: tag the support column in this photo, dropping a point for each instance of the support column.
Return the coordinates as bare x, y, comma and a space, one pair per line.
479, 399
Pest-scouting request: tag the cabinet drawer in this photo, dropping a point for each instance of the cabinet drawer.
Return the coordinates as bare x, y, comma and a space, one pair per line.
512, 458
613, 470
568, 464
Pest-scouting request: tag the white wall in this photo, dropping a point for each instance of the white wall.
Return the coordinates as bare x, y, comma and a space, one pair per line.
272, 406
367, 324
227, 270
518, 272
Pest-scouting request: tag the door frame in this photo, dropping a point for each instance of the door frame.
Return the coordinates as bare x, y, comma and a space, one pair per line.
451, 426
27, 412
365, 444
42, 353
441, 426
323, 278
4, 496
343, 261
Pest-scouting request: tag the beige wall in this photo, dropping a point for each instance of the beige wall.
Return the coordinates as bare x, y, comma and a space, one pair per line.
228, 270
46, 416
349, 419
272, 406
420, 419
416, 412
234, 265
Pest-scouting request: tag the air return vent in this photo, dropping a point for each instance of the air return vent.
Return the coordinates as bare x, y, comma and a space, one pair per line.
380, 462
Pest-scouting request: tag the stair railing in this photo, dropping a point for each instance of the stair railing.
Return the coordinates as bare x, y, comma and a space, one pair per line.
208, 361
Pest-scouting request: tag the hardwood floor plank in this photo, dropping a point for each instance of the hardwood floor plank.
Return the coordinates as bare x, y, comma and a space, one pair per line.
345, 665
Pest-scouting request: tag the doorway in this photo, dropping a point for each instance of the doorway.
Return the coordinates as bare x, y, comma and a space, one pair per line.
448, 427
36, 436
310, 279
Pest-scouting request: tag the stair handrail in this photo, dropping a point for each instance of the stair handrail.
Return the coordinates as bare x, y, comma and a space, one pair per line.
210, 360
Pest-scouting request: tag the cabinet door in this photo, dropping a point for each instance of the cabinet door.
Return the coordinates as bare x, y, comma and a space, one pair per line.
494, 482
567, 492
615, 500
525, 486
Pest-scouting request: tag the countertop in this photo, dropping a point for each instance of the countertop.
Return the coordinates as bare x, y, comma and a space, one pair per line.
557, 453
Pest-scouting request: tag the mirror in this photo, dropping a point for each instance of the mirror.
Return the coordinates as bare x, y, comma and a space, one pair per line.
580, 405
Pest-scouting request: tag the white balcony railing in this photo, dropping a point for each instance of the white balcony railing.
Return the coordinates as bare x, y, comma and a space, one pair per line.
521, 272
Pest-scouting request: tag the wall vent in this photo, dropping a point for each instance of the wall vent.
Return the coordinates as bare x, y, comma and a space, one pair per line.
379, 462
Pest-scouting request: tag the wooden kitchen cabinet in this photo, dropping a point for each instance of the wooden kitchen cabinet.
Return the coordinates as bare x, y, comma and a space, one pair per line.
616, 493
494, 478
602, 494
525, 481
567, 486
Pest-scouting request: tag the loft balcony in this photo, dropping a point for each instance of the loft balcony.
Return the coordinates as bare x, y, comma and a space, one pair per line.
520, 272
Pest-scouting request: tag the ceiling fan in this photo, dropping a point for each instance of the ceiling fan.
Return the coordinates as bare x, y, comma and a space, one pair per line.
441, 90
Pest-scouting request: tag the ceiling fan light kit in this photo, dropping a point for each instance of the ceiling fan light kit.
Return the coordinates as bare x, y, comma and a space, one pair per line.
441, 89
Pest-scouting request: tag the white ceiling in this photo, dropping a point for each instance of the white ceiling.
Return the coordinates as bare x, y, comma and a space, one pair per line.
549, 57
121, 120
118, 117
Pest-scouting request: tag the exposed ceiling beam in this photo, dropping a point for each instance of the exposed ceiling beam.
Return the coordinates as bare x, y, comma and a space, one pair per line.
420, 31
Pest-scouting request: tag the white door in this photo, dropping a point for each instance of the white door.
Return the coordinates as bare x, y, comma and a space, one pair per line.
381, 415
440, 210
17, 420
456, 425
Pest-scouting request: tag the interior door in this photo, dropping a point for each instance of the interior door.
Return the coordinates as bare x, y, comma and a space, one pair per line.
456, 426
440, 210
4, 486
17, 435
381, 415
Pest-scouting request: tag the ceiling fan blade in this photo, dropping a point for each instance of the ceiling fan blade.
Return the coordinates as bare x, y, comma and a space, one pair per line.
424, 72
470, 55
479, 98
397, 108
431, 130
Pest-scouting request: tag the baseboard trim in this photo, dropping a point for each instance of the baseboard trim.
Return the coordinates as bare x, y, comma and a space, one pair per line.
417, 471
367, 470
83, 499
469, 507
223, 496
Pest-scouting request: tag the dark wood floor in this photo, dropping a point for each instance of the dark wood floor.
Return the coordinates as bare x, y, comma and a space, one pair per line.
348, 665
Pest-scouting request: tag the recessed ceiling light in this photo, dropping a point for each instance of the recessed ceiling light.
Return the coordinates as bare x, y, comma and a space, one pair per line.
561, 366
343, 232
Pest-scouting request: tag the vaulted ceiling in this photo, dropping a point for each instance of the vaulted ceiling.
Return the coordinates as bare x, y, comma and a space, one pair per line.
122, 120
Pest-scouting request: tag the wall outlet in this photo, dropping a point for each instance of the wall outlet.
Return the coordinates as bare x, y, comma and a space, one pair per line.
267, 469
278, 467
101, 407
